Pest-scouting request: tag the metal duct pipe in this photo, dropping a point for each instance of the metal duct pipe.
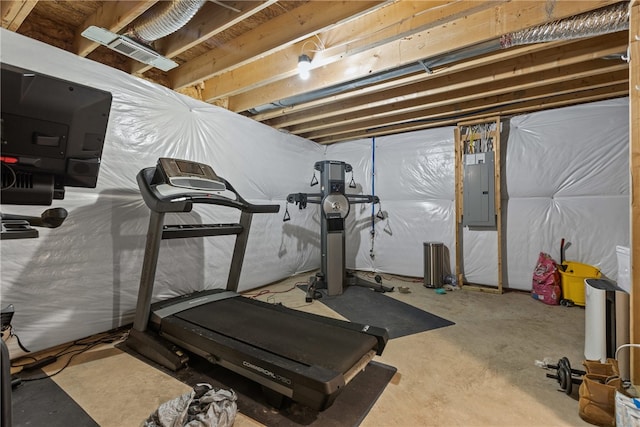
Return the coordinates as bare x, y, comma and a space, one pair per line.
602, 21
332, 90
424, 65
172, 16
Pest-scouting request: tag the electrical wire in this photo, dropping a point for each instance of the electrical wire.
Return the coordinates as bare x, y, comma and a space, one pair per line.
401, 279
271, 292
12, 334
84, 344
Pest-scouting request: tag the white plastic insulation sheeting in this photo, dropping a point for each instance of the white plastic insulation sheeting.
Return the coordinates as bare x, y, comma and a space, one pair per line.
414, 180
566, 176
83, 277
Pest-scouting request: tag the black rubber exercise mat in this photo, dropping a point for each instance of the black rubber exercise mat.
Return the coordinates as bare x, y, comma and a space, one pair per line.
44, 403
349, 409
363, 305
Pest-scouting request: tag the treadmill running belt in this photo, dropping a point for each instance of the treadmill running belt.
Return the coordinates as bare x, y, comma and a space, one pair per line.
301, 339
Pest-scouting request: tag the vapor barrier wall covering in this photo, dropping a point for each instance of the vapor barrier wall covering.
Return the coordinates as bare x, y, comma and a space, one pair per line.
566, 173
83, 277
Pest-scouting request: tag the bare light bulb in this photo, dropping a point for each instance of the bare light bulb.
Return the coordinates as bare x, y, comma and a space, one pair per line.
304, 66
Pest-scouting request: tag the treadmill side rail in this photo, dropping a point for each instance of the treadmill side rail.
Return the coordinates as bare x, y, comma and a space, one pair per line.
178, 304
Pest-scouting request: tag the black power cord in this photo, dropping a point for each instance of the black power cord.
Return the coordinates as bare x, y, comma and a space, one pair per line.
74, 349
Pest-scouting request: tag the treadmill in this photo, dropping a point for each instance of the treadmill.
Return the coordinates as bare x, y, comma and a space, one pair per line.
291, 354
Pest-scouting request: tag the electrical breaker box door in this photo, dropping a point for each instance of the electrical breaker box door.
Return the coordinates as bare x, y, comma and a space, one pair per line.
479, 190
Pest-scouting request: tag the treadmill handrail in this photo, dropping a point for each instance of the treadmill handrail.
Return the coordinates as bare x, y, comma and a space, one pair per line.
184, 202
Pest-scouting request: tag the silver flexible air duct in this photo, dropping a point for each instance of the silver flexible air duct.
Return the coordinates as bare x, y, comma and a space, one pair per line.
602, 21
172, 16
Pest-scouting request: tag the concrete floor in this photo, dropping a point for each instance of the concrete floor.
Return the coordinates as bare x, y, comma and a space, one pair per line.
479, 372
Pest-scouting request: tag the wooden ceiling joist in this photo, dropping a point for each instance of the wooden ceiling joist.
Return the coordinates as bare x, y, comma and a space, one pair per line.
451, 100
483, 78
462, 103
14, 12
307, 20
419, 123
210, 20
471, 30
535, 63
380, 26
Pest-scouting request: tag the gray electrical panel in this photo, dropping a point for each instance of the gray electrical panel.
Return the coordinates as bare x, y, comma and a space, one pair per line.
479, 208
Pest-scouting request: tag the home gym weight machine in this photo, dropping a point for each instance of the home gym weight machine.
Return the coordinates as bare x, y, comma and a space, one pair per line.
335, 206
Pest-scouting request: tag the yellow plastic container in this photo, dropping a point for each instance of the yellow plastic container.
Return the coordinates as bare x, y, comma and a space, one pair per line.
572, 280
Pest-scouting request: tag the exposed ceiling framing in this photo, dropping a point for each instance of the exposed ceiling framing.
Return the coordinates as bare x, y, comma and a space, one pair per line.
379, 67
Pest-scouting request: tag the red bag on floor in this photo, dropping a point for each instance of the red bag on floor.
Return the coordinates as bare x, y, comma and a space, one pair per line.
546, 281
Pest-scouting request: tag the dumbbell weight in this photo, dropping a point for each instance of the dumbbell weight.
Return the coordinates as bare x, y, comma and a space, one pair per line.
565, 375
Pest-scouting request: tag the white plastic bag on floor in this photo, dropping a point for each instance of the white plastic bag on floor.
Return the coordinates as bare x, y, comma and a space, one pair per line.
202, 407
627, 411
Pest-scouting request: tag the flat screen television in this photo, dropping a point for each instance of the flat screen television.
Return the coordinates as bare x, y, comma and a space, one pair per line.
52, 135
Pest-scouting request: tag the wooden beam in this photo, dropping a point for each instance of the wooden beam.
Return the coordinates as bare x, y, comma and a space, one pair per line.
520, 108
565, 52
113, 16
481, 102
15, 12
210, 20
634, 163
302, 22
457, 77
293, 114
534, 85
391, 22
468, 31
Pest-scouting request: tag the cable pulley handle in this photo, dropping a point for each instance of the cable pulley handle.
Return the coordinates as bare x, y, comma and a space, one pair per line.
352, 183
286, 217
301, 199
314, 180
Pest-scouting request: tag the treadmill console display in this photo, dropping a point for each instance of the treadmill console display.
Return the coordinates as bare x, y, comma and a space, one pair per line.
190, 175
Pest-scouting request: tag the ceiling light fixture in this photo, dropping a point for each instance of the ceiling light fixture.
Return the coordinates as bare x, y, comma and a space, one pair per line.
304, 66
304, 60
